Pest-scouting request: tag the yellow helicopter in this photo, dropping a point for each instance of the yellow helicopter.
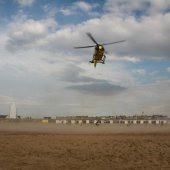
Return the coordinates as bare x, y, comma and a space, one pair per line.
99, 52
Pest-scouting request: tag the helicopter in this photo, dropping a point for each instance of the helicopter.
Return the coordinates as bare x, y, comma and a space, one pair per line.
99, 50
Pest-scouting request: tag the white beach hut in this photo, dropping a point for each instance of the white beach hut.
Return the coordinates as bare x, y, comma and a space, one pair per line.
87, 121
80, 121
111, 121
73, 121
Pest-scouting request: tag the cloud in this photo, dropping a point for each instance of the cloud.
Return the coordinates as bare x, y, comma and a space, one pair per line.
151, 98
84, 6
28, 32
79, 5
125, 7
146, 38
74, 74
138, 7
66, 11
103, 89
88, 84
139, 71
50, 10
6, 99
168, 69
23, 3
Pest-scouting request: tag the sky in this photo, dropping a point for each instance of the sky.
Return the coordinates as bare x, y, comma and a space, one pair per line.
45, 76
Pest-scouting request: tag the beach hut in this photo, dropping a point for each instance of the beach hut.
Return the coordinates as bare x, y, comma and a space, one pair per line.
64, 122
165, 121
95, 121
102, 121
111, 121
44, 121
134, 121
87, 121
149, 121
141, 121
126, 122
58, 121
157, 122
73, 121
80, 121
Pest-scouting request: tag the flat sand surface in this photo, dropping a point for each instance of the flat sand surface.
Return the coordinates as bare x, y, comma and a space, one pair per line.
29, 146
38, 127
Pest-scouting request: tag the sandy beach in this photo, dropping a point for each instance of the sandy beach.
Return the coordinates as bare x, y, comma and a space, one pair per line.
30, 145
38, 127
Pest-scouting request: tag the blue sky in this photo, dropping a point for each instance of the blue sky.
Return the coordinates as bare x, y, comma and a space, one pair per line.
44, 75
65, 12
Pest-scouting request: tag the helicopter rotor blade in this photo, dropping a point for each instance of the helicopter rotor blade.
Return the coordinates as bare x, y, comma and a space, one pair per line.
114, 42
85, 46
91, 37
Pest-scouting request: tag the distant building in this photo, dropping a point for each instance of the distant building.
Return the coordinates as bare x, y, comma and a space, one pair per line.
47, 117
13, 111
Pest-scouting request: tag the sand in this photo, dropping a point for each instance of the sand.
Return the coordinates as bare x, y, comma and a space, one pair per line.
38, 127
29, 146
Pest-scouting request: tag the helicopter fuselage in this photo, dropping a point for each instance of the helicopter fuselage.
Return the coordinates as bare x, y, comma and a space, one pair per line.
98, 56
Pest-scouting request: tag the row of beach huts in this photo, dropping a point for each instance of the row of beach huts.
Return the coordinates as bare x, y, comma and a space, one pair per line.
101, 120
157, 122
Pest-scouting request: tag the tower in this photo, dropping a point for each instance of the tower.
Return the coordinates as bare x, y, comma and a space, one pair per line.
13, 111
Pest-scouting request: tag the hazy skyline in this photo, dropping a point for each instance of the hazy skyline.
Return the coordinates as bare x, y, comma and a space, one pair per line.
44, 75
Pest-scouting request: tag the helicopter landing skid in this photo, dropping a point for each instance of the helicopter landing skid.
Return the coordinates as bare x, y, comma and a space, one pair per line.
101, 61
